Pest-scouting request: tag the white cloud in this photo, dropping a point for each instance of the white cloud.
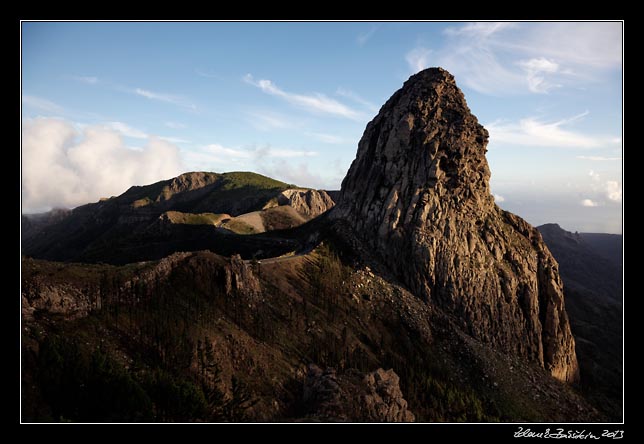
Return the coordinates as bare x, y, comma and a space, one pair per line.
41, 104
536, 70
599, 158
175, 125
531, 131
164, 97
315, 103
614, 190
127, 130
90, 80
604, 189
65, 167
499, 198
418, 59
589, 203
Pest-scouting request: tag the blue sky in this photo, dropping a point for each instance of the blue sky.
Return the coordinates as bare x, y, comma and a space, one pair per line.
110, 105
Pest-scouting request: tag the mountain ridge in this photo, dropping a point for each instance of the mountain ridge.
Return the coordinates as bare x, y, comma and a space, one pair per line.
216, 208
413, 298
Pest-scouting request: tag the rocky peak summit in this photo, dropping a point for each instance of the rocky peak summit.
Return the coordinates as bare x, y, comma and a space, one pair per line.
418, 195
424, 142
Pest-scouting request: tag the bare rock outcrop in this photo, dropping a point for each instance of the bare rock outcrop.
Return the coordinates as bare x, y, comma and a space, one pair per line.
77, 298
384, 400
352, 396
309, 203
418, 195
240, 278
66, 300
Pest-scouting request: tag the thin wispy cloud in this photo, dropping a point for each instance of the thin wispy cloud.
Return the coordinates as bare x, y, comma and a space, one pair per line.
175, 125
90, 80
206, 74
268, 120
479, 29
126, 130
221, 151
506, 58
531, 131
217, 157
299, 173
157, 96
284, 153
418, 59
164, 97
357, 99
174, 139
315, 103
364, 37
589, 44
470, 54
536, 72
328, 138
41, 104
599, 158
498, 198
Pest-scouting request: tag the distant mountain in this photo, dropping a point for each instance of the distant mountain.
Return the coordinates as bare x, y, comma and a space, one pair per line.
192, 211
590, 267
33, 224
608, 246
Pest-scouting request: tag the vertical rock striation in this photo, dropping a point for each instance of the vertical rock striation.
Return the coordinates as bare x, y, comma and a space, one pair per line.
418, 194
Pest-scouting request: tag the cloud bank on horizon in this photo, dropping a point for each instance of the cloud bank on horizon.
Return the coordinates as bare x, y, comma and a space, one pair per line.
157, 99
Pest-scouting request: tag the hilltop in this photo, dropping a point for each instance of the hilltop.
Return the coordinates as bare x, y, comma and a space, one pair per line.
190, 212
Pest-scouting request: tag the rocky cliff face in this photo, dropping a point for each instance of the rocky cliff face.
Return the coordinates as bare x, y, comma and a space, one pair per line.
418, 194
309, 203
